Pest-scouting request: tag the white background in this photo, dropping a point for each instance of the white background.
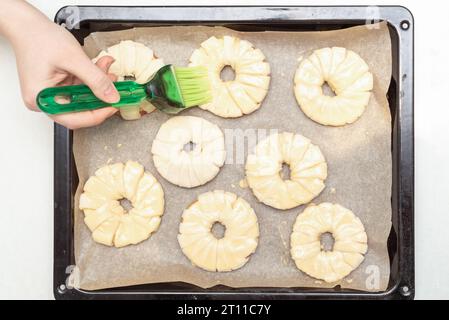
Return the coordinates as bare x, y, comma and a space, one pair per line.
26, 159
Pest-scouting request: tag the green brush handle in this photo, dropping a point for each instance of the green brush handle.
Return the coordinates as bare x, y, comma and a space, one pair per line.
81, 98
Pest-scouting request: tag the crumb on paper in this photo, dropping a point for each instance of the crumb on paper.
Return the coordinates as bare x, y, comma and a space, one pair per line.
284, 242
349, 280
232, 185
243, 184
119, 145
300, 58
285, 259
105, 148
333, 190
109, 161
318, 282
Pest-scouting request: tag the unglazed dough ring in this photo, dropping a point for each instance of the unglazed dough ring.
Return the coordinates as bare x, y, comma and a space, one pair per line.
348, 76
110, 224
133, 59
240, 239
245, 93
308, 170
188, 168
350, 242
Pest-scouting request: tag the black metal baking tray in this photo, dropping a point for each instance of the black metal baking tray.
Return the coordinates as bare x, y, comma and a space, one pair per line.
82, 20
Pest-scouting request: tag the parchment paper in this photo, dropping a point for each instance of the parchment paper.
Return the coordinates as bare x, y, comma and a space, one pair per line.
358, 157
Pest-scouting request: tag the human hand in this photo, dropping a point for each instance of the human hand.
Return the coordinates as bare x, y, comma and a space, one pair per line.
48, 55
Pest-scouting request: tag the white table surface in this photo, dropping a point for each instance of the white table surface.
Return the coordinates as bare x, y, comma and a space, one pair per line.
26, 160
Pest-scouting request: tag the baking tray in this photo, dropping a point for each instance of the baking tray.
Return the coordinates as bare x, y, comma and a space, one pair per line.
83, 20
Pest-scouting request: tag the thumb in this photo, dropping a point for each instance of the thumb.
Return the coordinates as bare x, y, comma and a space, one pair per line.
95, 78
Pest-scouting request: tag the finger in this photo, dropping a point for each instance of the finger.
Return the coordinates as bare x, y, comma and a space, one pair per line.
104, 63
84, 119
95, 78
67, 81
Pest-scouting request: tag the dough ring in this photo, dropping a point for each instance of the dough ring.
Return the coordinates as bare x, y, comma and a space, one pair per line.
349, 247
308, 170
240, 238
110, 224
347, 75
245, 93
133, 59
183, 167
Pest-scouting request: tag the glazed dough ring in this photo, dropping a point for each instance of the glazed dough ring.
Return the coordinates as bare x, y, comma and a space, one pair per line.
188, 168
308, 170
349, 247
245, 93
240, 239
133, 59
110, 224
348, 76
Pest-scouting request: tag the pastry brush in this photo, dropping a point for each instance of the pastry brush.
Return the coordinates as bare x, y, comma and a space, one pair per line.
171, 90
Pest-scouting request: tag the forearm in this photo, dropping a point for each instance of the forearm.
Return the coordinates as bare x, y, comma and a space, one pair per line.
18, 19
48, 55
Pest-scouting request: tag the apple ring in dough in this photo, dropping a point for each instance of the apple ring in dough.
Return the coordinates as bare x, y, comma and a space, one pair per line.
188, 168
308, 170
245, 93
350, 242
133, 59
110, 224
240, 238
347, 75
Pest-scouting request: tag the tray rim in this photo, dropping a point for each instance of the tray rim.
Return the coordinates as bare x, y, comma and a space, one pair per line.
394, 15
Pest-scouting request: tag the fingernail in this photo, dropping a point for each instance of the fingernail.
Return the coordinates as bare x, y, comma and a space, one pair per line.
111, 94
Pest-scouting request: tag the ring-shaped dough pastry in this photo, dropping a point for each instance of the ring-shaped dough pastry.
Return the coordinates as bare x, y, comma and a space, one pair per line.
110, 224
245, 93
133, 59
241, 235
308, 170
350, 242
188, 168
348, 76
